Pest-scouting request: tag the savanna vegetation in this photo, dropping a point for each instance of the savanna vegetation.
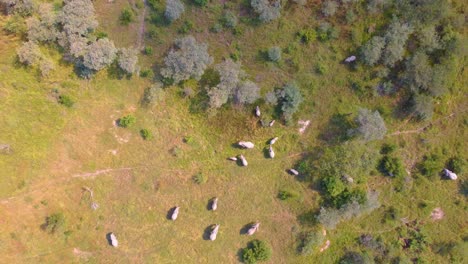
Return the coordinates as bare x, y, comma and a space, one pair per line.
115, 113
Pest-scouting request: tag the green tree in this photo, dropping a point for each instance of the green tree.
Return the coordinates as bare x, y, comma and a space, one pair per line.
372, 50
289, 100
126, 16
371, 125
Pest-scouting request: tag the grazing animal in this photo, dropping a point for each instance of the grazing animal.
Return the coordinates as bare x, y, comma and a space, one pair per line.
253, 229
214, 233
350, 59
214, 204
304, 125
175, 213
271, 152
450, 174
243, 160
272, 122
232, 158
113, 240
273, 140
257, 111
246, 144
293, 172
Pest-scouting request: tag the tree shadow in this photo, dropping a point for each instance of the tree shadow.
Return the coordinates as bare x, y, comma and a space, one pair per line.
337, 129
266, 153
207, 232
170, 212
239, 255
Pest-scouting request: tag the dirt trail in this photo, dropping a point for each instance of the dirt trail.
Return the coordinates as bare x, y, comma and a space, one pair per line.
141, 28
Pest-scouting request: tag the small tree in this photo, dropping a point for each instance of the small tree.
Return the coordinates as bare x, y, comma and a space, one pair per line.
329, 8
152, 94
289, 99
230, 20
188, 59
128, 59
246, 92
268, 11
29, 53
274, 54
127, 121
422, 106
174, 9
99, 54
45, 28
396, 37
126, 16
256, 250
371, 126
418, 74
372, 50
46, 66
54, 222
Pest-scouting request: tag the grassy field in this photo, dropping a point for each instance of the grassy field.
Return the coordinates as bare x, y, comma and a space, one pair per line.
57, 151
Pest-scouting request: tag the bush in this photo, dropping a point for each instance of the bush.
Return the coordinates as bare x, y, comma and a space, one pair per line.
391, 166
200, 178
310, 243
127, 121
148, 50
307, 35
15, 25
128, 59
255, 251
268, 11
456, 164
146, 73
230, 20
372, 50
146, 134
396, 37
201, 2
186, 27
422, 106
329, 8
388, 148
274, 54
174, 9
45, 67
99, 54
289, 99
29, 53
285, 195
152, 94
371, 126
126, 16
66, 100
54, 222
431, 165
321, 68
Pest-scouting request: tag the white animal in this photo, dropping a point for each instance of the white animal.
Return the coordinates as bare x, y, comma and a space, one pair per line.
243, 160
232, 158
253, 229
450, 174
214, 233
271, 152
257, 111
350, 59
175, 213
113, 239
294, 172
304, 125
272, 122
273, 140
214, 204
246, 144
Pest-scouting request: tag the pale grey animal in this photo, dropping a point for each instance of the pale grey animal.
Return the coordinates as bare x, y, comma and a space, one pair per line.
246, 144
271, 152
257, 111
272, 122
175, 213
294, 172
214, 204
214, 233
113, 239
243, 160
450, 174
253, 229
232, 158
350, 59
273, 140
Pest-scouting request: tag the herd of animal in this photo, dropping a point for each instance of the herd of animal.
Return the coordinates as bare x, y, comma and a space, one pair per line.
252, 228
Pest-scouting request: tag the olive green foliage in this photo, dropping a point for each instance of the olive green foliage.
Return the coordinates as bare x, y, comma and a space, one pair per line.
285, 195
396, 37
267, 11
188, 59
456, 164
148, 50
310, 242
352, 257
201, 2
431, 165
146, 134
307, 35
256, 251
274, 54
54, 222
15, 25
422, 106
66, 100
230, 20
289, 99
372, 50
126, 16
371, 125
391, 166
127, 121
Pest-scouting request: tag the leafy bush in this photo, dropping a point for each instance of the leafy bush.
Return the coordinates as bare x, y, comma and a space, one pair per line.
230, 20
29, 53
329, 8
396, 37
45, 67
268, 11
43, 29
418, 74
431, 165
146, 134
146, 73
310, 242
152, 94
371, 52
126, 16
128, 59
188, 59
66, 100
15, 25
127, 121
352, 257
255, 251
148, 50
285, 195
391, 166
174, 9
200, 178
289, 100
186, 27
201, 2
388, 148
54, 222
371, 126
333, 186
321, 68
456, 164
307, 35
274, 54
99, 54
422, 106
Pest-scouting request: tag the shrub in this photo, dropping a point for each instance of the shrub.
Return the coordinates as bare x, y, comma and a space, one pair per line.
333, 186
148, 50
418, 73
66, 100
274, 54
289, 99
15, 25
456, 164
101, 35
422, 106
44, 28
371, 126
200, 178
372, 50
324, 31
307, 35
126, 16
255, 251
268, 11
395, 38
216, 28
353, 257
247, 92
46, 66
77, 18
285, 195
431, 165
128, 59
99, 54
388, 148
329, 8
127, 121
188, 60
54, 222
174, 9
146, 73
321, 68
186, 27
230, 20
152, 94
310, 242
201, 2
391, 166
146, 134
29, 53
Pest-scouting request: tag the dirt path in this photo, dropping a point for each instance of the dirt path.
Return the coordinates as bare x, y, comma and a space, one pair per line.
141, 28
